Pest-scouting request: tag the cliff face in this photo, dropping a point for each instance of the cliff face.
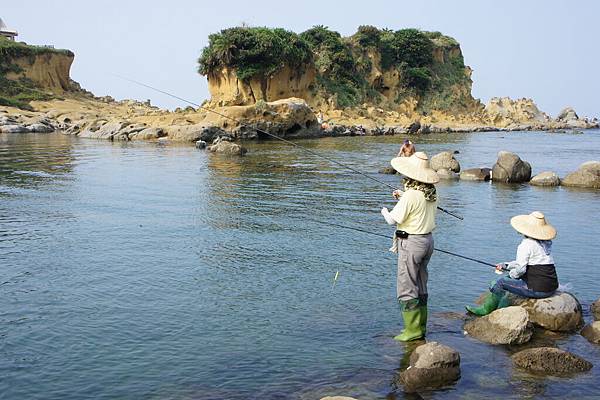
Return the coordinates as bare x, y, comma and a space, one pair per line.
49, 71
407, 71
226, 88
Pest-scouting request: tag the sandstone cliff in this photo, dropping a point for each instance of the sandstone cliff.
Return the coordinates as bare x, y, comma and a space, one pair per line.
50, 71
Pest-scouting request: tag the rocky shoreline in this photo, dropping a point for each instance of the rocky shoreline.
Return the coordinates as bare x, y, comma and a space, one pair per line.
104, 118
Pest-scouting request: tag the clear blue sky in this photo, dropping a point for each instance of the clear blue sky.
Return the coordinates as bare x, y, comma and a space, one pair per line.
546, 50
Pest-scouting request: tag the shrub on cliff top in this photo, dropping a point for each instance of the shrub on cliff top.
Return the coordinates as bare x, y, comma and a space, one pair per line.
10, 49
253, 52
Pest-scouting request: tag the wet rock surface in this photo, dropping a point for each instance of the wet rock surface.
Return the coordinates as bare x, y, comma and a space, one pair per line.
476, 174
226, 147
546, 178
592, 332
561, 312
586, 176
550, 361
510, 168
508, 325
432, 366
448, 175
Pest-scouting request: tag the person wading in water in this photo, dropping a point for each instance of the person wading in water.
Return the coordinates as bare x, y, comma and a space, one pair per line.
414, 217
532, 274
407, 149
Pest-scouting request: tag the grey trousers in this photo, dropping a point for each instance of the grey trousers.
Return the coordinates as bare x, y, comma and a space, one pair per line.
414, 253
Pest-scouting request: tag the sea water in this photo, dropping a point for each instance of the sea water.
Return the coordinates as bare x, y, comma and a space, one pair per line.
152, 271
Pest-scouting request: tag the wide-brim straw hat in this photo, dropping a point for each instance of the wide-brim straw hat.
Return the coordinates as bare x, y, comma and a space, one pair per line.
534, 226
416, 167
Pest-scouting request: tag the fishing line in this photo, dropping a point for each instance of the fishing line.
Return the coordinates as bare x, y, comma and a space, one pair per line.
275, 137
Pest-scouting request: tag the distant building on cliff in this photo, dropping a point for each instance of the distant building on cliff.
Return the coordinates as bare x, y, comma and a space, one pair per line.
6, 31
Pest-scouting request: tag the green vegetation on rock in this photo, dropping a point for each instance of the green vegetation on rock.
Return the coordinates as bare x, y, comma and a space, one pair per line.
18, 93
253, 52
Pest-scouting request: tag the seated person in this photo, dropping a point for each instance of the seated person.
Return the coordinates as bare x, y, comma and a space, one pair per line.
532, 274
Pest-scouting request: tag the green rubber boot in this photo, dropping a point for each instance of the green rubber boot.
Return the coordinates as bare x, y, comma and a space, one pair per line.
504, 301
412, 314
490, 303
423, 317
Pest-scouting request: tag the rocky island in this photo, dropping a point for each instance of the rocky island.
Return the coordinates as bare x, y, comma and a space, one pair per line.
316, 83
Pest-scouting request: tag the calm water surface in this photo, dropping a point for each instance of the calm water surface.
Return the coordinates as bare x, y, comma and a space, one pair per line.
147, 271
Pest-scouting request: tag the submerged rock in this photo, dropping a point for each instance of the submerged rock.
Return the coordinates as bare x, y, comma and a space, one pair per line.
476, 174
508, 325
587, 176
337, 398
446, 174
432, 366
444, 160
387, 170
595, 309
228, 148
550, 361
592, 332
561, 312
14, 129
510, 168
546, 178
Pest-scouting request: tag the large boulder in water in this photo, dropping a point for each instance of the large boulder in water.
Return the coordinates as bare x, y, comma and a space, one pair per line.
595, 309
446, 174
546, 178
586, 176
444, 160
510, 168
508, 325
592, 332
432, 366
561, 312
550, 361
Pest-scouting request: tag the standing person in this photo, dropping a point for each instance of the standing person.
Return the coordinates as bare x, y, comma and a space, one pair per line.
407, 149
532, 274
414, 217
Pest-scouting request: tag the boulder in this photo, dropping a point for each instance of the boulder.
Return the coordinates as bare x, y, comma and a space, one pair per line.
106, 131
510, 168
14, 128
546, 178
432, 366
40, 128
446, 174
476, 174
508, 325
444, 160
567, 114
387, 170
147, 134
185, 133
595, 309
592, 332
200, 144
587, 176
228, 148
413, 128
550, 361
561, 312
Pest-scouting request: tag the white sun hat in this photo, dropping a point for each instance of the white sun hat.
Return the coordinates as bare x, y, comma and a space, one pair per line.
534, 226
416, 167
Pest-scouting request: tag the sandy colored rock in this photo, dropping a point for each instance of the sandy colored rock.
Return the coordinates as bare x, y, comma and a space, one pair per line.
476, 174
227, 148
550, 361
508, 325
561, 312
595, 309
444, 160
147, 134
49, 71
592, 332
504, 111
586, 176
432, 366
509, 168
546, 178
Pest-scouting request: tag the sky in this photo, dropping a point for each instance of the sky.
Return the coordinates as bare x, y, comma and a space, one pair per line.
544, 50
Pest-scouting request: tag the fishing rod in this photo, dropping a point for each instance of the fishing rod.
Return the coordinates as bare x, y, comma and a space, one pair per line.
275, 137
387, 236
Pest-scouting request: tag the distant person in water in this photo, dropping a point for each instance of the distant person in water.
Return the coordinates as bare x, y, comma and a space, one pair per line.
407, 149
532, 274
321, 120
